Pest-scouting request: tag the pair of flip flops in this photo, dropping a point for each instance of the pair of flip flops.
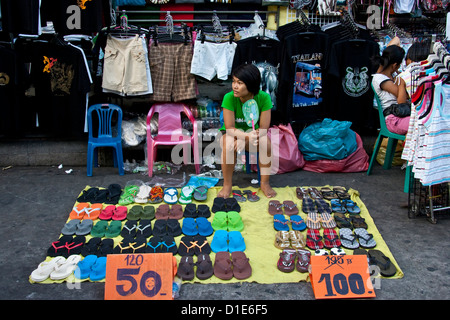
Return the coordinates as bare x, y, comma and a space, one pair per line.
314, 220
66, 246
193, 245
241, 195
167, 227
225, 204
360, 237
287, 207
204, 266
57, 268
104, 229
162, 244
98, 246
78, 227
227, 241
230, 221
164, 212
191, 210
280, 223
85, 211
113, 212
133, 229
92, 268
138, 212
378, 258
201, 226
238, 266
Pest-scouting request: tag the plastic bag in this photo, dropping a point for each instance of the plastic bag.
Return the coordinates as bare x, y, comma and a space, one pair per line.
286, 156
329, 139
356, 162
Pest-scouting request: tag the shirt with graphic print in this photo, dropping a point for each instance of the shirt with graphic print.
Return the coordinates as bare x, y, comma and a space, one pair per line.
350, 70
300, 81
235, 104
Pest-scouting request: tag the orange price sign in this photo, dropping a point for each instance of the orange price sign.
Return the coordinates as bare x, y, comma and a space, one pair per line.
139, 276
343, 276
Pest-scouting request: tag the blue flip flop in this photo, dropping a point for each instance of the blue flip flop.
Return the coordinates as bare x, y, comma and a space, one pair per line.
219, 241
189, 227
83, 269
351, 206
170, 195
298, 223
98, 269
280, 223
236, 241
204, 227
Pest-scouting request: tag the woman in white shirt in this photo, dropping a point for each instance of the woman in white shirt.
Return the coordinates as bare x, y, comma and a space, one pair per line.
391, 90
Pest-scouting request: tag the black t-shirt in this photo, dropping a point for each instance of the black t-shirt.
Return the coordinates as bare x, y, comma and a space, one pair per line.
61, 79
350, 71
263, 53
300, 87
20, 16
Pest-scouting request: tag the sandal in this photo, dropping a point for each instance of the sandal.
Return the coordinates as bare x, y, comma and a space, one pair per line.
342, 221
337, 206
303, 260
365, 239
358, 222
186, 194
156, 195
348, 239
275, 207
205, 268
186, 268
328, 194
251, 196
314, 193
237, 194
308, 205
186, 246
313, 221
327, 220
301, 194
323, 206
286, 262
290, 208
297, 223
201, 245
170, 195
222, 266
387, 268
241, 266
144, 228
297, 239
331, 239
280, 223
351, 206
201, 193
342, 193
313, 239
282, 240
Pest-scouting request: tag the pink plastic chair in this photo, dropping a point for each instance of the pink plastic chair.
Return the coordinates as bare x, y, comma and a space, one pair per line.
170, 132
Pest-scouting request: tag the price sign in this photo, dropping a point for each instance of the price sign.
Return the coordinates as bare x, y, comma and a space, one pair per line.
139, 276
345, 276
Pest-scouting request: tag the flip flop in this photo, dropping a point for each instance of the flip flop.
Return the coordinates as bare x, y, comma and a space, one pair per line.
251, 196
358, 222
231, 204
337, 206
387, 268
237, 194
144, 228
313, 221
201, 193
331, 239
365, 239
218, 204
236, 241
114, 229
186, 194
99, 228
341, 193
222, 265
185, 269
342, 221
70, 227
160, 228
106, 247
135, 212
280, 223
241, 266
173, 227
308, 205
107, 213
45, 268
303, 260
156, 195
219, 241
129, 229
235, 222
348, 239
327, 220
275, 207
162, 212
120, 213
78, 211
328, 193
186, 246
203, 211
297, 223
204, 227
301, 194
84, 228
220, 221
189, 227
84, 267
65, 269
190, 211
91, 247
351, 206
290, 208
286, 262
205, 268
176, 212
93, 211
201, 245
170, 195
168, 244
282, 240
98, 271
313, 239
296, 239
148, 213
142, 195
314, 193
323, 206
154, 245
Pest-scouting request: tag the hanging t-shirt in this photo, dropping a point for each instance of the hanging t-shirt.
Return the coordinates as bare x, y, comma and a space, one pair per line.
20, 16
351, 99
264, 54
235, 104
300, 82
61, 79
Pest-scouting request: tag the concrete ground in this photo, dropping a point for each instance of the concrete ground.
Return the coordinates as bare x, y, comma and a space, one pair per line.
35, 202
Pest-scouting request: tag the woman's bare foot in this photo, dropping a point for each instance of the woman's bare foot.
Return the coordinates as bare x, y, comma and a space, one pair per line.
224, 192
267, 190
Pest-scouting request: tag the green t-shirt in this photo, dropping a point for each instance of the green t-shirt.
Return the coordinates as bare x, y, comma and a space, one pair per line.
234, 104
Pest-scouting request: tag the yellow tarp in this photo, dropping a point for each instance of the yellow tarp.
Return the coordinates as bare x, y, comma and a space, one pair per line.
259, 236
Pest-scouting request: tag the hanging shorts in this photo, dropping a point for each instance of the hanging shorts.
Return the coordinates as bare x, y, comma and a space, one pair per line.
170, 69
211, 59
124, 65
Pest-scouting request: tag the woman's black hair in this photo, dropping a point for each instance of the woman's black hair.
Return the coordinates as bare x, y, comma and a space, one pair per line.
392, 54
250, 75
418, 51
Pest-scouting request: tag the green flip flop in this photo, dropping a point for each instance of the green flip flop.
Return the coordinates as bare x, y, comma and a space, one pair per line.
114, 229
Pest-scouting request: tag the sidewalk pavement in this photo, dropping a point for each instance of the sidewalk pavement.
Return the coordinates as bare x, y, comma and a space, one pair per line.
35, 203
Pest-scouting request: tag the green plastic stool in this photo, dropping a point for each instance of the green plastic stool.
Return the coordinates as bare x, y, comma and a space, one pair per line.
384, 132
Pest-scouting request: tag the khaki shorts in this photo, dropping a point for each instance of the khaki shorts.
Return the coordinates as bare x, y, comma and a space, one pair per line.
170, 65
124, 65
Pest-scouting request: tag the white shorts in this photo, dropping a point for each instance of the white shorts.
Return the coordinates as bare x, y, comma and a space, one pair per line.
211, 59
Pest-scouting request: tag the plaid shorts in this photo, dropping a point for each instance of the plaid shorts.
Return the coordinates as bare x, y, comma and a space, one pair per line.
170, 65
